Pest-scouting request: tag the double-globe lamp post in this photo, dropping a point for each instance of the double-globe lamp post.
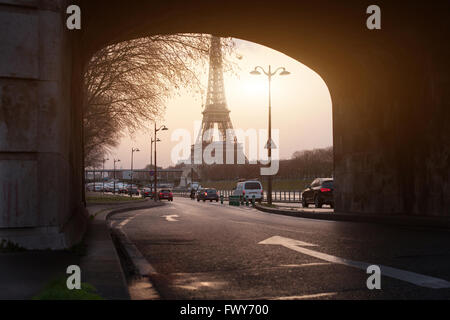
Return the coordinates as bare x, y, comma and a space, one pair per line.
133, 150
115, 161
269, 75
163, 128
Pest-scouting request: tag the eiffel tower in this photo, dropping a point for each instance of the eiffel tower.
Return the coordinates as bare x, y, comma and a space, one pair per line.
215, 113
216, 110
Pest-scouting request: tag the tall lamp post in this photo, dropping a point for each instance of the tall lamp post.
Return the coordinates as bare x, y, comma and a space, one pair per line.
151, 156
163, 128
269, 75
103, 172
133, 150
115, 161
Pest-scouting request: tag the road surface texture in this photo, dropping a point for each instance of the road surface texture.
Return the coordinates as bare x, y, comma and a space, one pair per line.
212, 251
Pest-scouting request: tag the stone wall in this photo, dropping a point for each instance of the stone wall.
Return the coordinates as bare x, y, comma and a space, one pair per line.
38, 196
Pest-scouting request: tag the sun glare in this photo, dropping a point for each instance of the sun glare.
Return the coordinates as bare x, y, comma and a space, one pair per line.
254, 87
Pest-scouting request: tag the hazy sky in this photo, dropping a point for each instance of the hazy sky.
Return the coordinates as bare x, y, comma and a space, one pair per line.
301, 108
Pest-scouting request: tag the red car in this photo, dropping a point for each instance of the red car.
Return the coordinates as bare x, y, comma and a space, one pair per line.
165, 194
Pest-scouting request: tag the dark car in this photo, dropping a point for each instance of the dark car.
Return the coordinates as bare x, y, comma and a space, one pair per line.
208, 194
132, 190
146, 193
320, 192
165, 194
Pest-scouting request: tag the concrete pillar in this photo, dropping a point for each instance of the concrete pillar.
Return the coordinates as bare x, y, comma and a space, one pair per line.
40, 177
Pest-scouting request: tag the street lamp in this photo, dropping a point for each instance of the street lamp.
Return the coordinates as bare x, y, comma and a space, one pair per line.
269, 75
151, 150
163, 128
103, 178
133, 150
95, 182
115, 160
151, 156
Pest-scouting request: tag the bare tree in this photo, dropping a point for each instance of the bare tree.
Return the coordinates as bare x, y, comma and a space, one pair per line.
310, 163
127, 84
304, 164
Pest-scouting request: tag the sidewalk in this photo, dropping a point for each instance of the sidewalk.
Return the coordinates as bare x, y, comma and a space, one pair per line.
23, 274
328, 214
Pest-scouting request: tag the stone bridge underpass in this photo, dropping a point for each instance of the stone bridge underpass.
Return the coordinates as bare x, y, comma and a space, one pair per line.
389, 89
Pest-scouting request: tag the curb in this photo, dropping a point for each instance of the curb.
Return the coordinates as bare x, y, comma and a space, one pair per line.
142, 268
116, 203
142, 288
101, 218
398, 220
138, 207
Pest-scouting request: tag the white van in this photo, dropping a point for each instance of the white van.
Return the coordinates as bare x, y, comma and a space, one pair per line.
249, 188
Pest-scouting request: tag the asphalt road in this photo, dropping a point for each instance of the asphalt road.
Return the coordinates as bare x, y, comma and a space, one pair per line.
213, 251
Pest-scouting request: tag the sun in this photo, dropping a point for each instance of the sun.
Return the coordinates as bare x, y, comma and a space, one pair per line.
254, 88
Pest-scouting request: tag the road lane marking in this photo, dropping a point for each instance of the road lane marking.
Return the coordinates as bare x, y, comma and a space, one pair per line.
407, 276
315, 264
140, 288
171, 217
124, 222
308, 296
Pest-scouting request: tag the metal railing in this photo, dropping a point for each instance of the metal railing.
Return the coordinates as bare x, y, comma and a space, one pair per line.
277, 196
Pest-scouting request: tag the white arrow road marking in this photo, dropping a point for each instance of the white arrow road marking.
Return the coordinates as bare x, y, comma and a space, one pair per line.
408, 276
171, 217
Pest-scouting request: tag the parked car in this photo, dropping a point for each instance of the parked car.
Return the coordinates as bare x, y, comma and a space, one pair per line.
116, 189
208, 194
133, 190
146, 193
165, 194
249, 189
108, 187
320, 192
123, 189
96, 187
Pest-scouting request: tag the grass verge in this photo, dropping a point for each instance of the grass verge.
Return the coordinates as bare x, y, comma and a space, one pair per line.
110, 198
57, 290
7, 246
